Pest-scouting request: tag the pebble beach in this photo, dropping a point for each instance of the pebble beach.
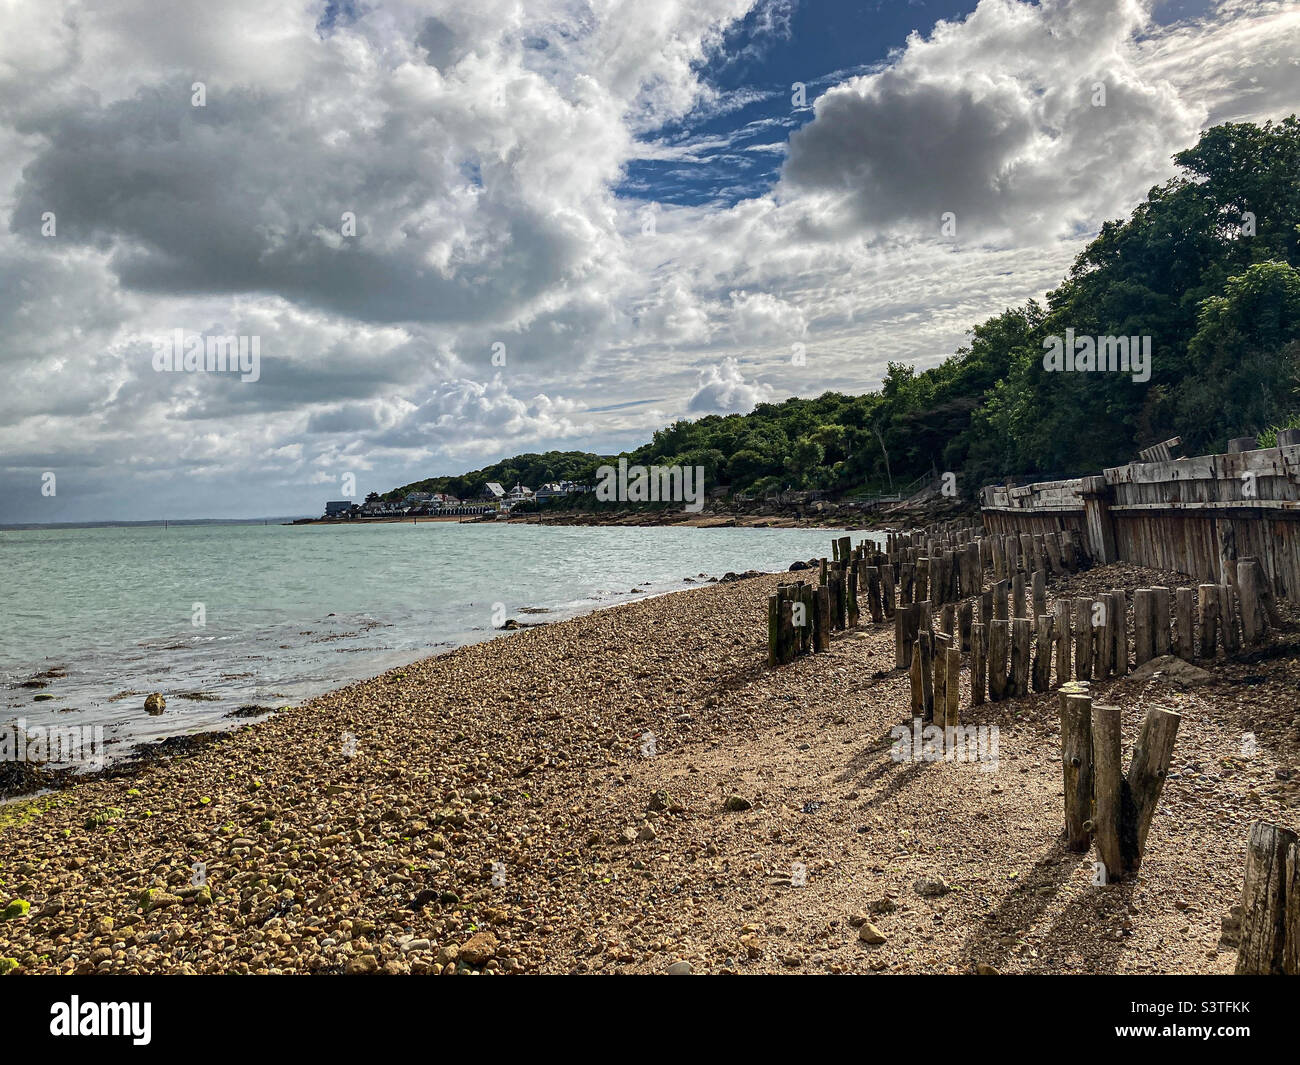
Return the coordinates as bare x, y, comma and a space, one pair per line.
635, 791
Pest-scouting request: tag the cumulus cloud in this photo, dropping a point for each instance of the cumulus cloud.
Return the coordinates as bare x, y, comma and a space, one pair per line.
483, 151
724, 388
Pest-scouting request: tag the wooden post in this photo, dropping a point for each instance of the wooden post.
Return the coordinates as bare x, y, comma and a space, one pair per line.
906, 583
1018, 596
822, 613
1083, 639
965, 610
1268, 933
1076, 763
1144, 625
1043, 654
873, 594
978, 660
786, 620
1263, 590
1252, 617
1161, 644
918, 689
1108, 789
942, 643
774, 629
887, 590
1062, 614
925, 641
952, 686
839, 596
1146, 776
1184, 599
1039, 593
904, 635
851, 593
948, 619
1119, 631
1228, 619
1021, 629
999, 558
1207, 609
808, 598
1000, 601
997, 660
1104, 657
921, 574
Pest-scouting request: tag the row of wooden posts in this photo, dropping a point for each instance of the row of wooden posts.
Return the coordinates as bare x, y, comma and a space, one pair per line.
1085, 638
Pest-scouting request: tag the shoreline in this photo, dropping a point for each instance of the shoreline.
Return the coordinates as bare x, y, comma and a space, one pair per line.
498, 814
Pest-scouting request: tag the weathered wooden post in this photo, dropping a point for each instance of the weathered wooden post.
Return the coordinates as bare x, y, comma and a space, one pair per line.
887, 590
774, 629
808, 600
997, 660
904, 634
925, 640
1161, 643
1108, 789
1252, 617
822, 613
839, 606
921, 575
786, 620
1144, 625
851, 593
1000, 600
1263, 590
1147, 773
952, 686
1039, 593
942, 642
1018, 595
918, 690
1061, 609
1043, 654
1104, 657
872, 574
965, 609
1228, 619
978, 659
906, 582
948, 618
1083, 639
1119, 631
1207, 610
1076, 763
1270, 903
1020, 635
1184, 600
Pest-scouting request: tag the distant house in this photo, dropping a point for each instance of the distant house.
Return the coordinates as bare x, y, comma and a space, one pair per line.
519, 494
492, 491
444, 499
337, 508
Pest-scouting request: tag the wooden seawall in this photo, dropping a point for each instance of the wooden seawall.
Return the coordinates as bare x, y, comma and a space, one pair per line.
1194, 515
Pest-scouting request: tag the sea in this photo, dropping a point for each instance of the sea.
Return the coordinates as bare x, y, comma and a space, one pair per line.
229, 621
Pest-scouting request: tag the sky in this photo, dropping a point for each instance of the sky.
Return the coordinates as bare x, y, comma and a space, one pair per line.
455, 232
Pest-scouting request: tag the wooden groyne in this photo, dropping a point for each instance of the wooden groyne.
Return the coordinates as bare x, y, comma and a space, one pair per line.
1196, 515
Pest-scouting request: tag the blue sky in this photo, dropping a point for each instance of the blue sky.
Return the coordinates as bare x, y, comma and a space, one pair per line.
621, 203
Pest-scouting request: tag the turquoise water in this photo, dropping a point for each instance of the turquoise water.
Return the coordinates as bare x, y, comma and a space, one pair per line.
289, 612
